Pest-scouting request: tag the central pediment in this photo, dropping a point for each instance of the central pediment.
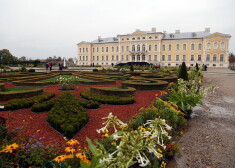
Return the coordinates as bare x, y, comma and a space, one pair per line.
218, 35
138, 32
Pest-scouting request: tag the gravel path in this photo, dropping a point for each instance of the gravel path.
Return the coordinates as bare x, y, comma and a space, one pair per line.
210, 139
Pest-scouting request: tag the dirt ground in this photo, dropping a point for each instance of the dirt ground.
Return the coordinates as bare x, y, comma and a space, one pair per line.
210, 139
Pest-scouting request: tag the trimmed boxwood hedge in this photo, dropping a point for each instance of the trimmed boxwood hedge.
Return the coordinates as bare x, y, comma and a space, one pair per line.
105, 99
146, 84
27, 102
8, 95
46, 106
1, 87
67, 116
118, 91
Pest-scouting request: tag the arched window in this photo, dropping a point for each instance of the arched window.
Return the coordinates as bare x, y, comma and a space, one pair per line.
221, 57
208, 46
214, 57
222, 45
155, 47
133, 47
150, 47
200, 46
215, 45
208, 57
138, 47
143, 47
192, 46
169, 47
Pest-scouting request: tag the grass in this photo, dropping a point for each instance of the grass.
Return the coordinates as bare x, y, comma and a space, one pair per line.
66, 77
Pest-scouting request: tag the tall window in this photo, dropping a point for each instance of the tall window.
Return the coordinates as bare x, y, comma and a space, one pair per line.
93, 58
155, 57
97, 58
133, 47
86, 49
112, 49
177, 57
163, 47
97, 49
215, 45
208, 57
138, 57
150, 47
83, 49
112, 57
117, 49
127, 57
102, 49
199, 58
87, 58
80, 58
93, 49
163, 57
122, 57
200, 46
138, 47
208, 46
102, 58
133, 57
149, 57
155, 47
83, 58
177, 46
117, 58
184, 46
169, 57
221, 57
169, 47
143, 47
107, 57
80, 49
192, 46
122, 48
143, 57
222, 45
214, 57
184, 57
107, 49
127, 48
192, 57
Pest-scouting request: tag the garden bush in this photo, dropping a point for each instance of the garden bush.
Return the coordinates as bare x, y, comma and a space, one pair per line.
183, 72
67, 115
1, 86
146, 84
118, 91
31, 70
104, 99
95, 70
27, 102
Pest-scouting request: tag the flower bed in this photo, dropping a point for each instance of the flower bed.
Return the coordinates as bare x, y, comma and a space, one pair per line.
1, 86
146, 84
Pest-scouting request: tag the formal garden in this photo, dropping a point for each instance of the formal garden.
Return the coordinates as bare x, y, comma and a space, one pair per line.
106, 118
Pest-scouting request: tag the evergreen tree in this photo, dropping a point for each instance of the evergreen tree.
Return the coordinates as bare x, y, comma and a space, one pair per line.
197, 68
131, 68
183, 72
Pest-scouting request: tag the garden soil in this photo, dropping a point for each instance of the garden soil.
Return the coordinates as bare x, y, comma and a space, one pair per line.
209, 141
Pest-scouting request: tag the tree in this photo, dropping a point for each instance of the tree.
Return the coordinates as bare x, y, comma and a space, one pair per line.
231, 58
183, 72
197, 68
6, 57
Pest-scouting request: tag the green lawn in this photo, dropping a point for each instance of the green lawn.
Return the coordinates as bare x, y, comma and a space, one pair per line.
66, 77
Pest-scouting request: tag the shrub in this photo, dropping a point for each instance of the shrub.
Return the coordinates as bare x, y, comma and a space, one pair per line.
67, 115
95, 70
131, 68
196, 67
104, 99
27, 102
1, 86
44, 106
31, 70
23, 69
183, 72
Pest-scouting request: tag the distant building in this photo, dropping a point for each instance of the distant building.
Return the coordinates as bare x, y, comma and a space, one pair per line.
167, 49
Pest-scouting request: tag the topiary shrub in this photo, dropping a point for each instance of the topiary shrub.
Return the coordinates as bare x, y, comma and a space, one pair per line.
23, 69
196, 67
95, 70
131, 68
31, 70
183, 72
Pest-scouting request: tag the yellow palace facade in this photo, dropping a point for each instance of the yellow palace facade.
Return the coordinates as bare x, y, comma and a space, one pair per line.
166, 49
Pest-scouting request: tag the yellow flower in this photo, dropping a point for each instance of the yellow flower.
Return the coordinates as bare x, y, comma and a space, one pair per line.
106, 135
60, 158
83, 158
159, 150
70, 149
9, 148
163, 164
107, 131
113, 143
72, 142
70, 156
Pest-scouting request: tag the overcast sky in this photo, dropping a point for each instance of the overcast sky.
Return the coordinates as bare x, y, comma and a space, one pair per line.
38, 29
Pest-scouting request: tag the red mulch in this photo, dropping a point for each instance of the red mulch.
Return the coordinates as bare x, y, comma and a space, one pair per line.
36, 126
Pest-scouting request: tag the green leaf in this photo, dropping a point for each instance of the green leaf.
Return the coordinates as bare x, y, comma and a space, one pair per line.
92, 147
84, 165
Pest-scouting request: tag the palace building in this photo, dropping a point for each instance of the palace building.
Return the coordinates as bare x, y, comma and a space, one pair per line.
166, 49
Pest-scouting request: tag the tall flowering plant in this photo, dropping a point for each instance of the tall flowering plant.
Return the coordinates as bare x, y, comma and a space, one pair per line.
68, 82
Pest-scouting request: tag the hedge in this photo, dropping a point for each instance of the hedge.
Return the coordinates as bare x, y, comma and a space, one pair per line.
67, 116
9, 95
104, 99
122, 92
48, 105
27, 102
1, 87
146, 84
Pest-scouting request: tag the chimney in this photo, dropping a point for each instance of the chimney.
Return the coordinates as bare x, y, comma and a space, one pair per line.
164, 31
207, 30
154, 29
99, 38
177, 31
137, 30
